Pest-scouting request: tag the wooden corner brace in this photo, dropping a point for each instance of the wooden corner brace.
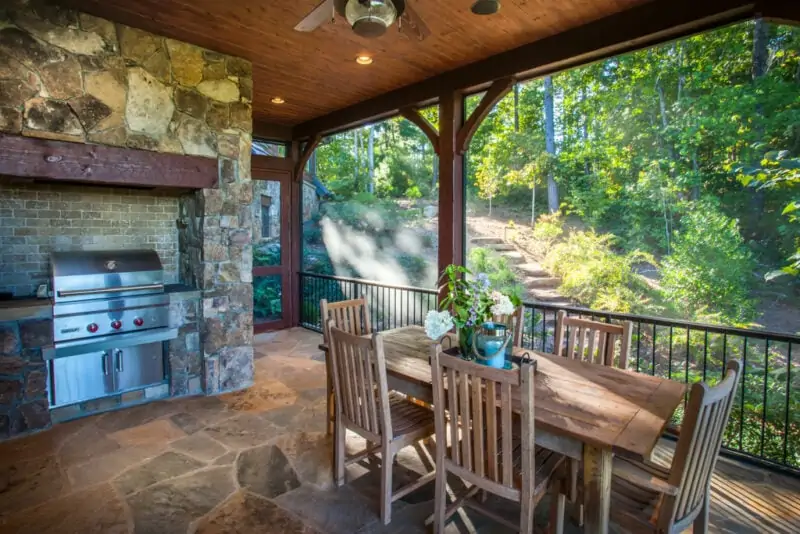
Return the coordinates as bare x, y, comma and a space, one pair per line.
491, 97
311, 145
413, 115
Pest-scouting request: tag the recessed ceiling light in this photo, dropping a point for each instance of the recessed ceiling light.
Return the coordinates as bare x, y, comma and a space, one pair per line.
364, 60
278, 100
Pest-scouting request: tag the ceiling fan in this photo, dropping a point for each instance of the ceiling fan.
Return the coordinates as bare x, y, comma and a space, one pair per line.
368, 18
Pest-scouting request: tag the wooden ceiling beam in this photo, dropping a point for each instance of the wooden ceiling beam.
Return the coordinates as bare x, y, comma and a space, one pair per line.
781, 11
646, 25
491, 97
308, 149
77, 162
413, 115
271, 132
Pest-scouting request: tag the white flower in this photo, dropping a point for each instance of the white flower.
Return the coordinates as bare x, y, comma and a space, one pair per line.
437, 324
502, 305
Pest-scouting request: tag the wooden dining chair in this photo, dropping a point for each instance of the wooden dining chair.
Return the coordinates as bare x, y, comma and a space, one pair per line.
593, 341
352, 316
484, 449
646, 497
515, 321
386, 420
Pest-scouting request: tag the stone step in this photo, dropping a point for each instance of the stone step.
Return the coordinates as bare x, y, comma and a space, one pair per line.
514, 258
534, 270
486, 241
547, 295
502, 247
547, 282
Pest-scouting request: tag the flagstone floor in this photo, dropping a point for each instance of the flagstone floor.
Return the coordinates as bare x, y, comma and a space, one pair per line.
258, 461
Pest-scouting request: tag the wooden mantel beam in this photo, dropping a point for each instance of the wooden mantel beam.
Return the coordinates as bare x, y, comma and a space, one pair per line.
413, 115
76, 162
645, 25
491, 97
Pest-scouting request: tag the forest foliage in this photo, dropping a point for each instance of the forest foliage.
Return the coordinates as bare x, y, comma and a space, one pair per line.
686, 153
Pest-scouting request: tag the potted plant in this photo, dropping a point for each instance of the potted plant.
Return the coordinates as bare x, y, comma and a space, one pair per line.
469, 304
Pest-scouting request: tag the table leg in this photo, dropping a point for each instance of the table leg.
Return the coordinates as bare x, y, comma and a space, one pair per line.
597, 464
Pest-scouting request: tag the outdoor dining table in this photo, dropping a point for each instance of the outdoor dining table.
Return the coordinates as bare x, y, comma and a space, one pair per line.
583, 410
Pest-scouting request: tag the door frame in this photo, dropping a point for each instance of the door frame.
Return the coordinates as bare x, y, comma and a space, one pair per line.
270, 168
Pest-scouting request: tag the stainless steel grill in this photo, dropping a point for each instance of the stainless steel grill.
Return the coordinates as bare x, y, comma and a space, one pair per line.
110, 317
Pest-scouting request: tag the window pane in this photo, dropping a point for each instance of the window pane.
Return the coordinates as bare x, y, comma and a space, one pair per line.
268, 148
267, 230
370, 205
267, 294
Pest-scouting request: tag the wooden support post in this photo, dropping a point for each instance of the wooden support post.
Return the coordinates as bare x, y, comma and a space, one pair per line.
413, 115
491, 97
451, 181
296, 232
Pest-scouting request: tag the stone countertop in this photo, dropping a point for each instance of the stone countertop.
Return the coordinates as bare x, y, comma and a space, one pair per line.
25, 308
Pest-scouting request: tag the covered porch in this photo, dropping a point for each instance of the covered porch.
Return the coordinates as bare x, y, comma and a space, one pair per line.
259, 461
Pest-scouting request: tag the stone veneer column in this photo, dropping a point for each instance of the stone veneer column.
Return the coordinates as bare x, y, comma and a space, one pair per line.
69, 76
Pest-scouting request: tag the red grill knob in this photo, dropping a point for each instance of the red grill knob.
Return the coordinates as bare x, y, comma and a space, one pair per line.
138, 321
92, 328
116, 325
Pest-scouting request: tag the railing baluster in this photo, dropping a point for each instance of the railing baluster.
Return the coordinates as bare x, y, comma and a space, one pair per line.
655, 334
764, 398
705, 354
741, 409
638, 344
788, 397
669, 372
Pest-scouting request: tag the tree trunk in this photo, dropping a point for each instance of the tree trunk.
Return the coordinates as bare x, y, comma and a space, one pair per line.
533, 204
585, 129
435, 171
357, 158
759, 69
371, 158
516, 107
550, 141
312, 164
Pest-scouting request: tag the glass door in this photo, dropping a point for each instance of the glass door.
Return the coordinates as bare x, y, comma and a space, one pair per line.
271, 254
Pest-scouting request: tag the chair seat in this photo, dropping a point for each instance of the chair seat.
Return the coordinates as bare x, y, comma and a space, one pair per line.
408, 417
546, 461
632, 506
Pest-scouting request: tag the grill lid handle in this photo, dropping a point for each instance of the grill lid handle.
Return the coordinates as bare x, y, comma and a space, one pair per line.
97, 291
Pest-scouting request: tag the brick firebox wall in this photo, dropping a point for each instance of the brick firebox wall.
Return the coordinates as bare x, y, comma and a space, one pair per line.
36, 219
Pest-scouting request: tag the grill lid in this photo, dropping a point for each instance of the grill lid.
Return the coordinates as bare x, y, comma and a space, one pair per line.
105, 273
103, 262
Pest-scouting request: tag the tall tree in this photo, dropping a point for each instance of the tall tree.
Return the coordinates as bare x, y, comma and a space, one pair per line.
550, 141
371, 158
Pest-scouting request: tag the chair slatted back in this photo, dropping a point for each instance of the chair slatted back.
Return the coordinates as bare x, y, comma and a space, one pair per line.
478, 400
352, 316
515, 321
360, 383
698, 447
593, 341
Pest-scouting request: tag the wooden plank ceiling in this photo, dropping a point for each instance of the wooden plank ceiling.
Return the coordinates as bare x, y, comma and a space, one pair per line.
316, 73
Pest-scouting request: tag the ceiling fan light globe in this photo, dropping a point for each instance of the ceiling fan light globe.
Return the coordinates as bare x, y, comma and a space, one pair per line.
486, 7
370, 18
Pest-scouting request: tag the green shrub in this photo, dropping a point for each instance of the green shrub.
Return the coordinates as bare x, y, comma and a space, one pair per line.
496, 267
594, 275
549, 228
710, 267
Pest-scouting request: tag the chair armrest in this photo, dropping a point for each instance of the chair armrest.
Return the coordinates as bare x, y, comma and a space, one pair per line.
630, 472
323, 347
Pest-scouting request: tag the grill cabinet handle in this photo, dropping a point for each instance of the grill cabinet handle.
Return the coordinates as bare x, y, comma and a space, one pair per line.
119, 360
104, 361
97, 291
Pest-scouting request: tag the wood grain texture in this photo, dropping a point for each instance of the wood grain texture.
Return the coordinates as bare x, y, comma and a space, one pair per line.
58, 160
316, 72
634, 26
413, 115
491, 97
598, 405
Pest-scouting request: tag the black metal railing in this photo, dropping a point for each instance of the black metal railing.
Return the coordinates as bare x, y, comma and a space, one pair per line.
765, 423
390, 306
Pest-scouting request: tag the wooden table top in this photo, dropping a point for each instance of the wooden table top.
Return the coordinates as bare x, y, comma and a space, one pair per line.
603, 406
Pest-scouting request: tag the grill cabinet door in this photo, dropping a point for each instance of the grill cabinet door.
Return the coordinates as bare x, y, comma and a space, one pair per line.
138, 366
79, 378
